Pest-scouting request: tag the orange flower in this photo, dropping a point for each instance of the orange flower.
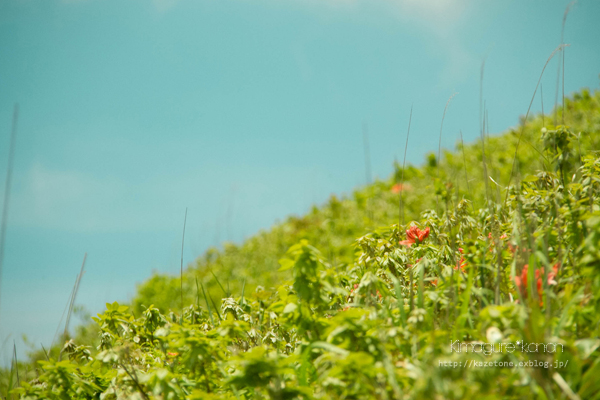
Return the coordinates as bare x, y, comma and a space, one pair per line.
415, 235
511, 248
172, 354
462, 263
398, 187
352, 291
521, 281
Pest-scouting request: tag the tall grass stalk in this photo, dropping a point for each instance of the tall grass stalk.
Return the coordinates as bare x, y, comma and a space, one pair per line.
181, 264
512, 170
16, 363
558, 72
219, 283
212, 321
69, 307
440, 148
462, 145
45, 352
55, 337
403, 167
368, 175
542, 101
75, 290
7, 186
482, 131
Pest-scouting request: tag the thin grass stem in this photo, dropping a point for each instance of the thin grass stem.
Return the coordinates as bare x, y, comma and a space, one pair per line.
7, 187
403, 167
181, 264
512, 170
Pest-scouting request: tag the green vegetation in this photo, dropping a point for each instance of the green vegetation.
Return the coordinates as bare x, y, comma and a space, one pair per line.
349, 302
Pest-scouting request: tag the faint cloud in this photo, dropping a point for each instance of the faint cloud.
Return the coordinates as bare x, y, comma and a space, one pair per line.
437, 23
164, 5
438, 12
161, 6
68, 200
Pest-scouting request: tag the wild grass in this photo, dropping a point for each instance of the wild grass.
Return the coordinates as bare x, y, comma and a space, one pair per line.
7, 188
377, 323
401, 210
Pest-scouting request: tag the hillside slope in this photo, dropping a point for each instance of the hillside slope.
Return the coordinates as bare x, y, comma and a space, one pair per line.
334, 226
486, 291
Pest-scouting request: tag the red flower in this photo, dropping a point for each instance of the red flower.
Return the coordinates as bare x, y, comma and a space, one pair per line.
415, 235
521, 281
398, 187
462, 263
511, 248
352, 291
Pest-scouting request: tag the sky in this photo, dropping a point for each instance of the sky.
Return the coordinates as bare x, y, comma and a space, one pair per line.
243, 112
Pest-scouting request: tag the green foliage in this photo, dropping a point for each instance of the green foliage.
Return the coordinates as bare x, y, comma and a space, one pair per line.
506, 258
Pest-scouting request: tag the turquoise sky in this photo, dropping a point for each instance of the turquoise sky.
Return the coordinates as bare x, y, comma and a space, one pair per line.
243, 111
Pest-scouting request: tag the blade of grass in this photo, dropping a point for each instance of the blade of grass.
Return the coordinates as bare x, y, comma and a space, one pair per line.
212, 321
72, 301
219, 283
542, 100
16, 362
9, 386
483, 158
403, 167
181, 265
135, 380
562, 42
55, 337
216, 309
420, 296
399, 297
243, 288
563, 86
482, 128
465, 163
465, 304
45, 352
197, 294
75, 290
7, 187
440, 147
411, 292
526, 116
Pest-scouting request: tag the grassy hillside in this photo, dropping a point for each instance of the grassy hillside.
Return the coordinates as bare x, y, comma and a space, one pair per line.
334, 226
490, 288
